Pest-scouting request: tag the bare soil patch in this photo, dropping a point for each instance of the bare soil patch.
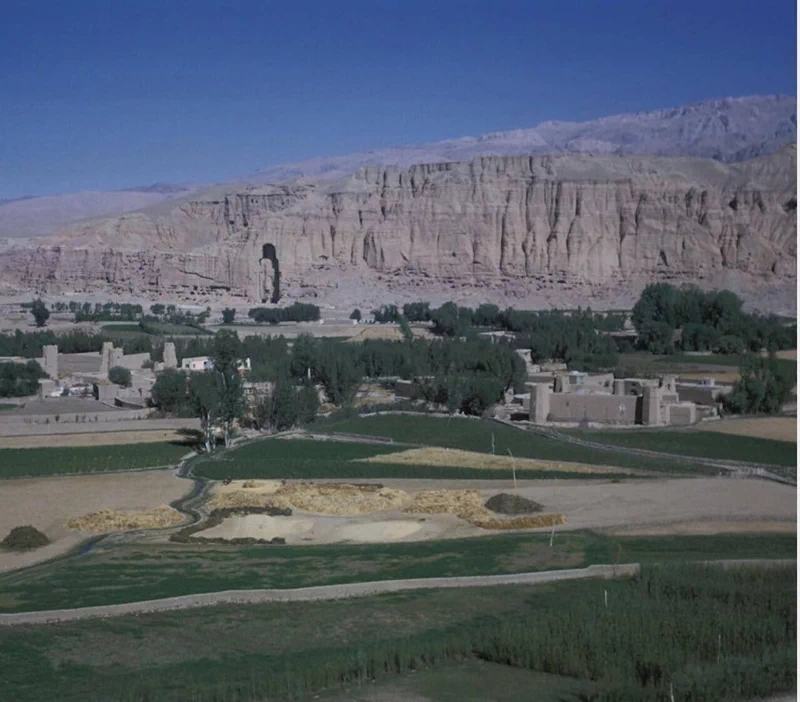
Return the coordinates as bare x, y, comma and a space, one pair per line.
96, 439
777, 428
47, 503
456, 458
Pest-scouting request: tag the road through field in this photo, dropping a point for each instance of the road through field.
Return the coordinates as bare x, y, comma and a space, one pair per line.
345, 591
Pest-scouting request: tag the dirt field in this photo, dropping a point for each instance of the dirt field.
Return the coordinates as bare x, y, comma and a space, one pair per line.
98, 439
708, 505
778, 428
47, 503
455, 458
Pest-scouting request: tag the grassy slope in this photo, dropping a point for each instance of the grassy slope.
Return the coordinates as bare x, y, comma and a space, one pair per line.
292, 649
476, 435
148, 571
705, 444
303, 458
40, 462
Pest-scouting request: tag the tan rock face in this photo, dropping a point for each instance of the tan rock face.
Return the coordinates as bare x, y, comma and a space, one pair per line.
594, 218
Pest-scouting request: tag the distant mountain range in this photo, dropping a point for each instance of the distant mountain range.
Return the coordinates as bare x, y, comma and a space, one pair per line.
728, 130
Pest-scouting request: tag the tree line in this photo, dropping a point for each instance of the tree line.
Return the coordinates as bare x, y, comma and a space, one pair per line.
669, 319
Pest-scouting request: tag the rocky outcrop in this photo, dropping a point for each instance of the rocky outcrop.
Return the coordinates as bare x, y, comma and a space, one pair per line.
590, 218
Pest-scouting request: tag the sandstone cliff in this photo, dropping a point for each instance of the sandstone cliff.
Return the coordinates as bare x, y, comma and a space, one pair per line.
592, 218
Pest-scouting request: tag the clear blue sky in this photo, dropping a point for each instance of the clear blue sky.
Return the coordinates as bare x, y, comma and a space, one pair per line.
110, 94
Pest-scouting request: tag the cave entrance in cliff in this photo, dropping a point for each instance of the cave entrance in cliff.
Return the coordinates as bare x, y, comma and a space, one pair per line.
270, 273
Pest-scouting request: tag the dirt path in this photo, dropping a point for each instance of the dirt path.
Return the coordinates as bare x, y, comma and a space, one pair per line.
305, 594
338, 592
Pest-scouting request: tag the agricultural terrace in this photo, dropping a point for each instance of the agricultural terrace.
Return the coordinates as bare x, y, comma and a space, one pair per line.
278, 458
74, 460
703, 444
136, 572
479, 435
699, 632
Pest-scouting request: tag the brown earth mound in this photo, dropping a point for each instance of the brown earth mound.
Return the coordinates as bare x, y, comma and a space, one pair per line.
24, 538
505, 503
106, 520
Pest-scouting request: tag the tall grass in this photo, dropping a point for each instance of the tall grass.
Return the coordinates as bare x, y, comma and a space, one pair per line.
698, 633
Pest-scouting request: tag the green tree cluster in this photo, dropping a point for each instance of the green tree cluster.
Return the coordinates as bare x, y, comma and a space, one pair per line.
689, 319
40, 312
296, 312
20, 379
764, 387
120, 376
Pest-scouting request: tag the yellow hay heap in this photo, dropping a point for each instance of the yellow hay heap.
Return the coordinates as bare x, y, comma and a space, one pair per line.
468, 505
106, 520
342, 500
456, 458
335, 499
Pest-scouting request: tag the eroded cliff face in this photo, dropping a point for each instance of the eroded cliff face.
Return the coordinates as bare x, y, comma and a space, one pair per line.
592, 218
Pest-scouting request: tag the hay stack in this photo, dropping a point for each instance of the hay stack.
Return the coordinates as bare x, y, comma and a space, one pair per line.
106, 520
341, 500
468, 505
538, 521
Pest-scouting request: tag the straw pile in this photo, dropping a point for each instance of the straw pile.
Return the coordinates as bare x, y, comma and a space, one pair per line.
531, 522
456, 458
468, 505
250, 493
107, 520
341, 500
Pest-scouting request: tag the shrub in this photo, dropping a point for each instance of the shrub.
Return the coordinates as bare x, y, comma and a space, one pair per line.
356, 314
120, 376
228, 315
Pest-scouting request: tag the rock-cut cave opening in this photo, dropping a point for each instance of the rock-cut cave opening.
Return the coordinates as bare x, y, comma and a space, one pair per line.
269, 254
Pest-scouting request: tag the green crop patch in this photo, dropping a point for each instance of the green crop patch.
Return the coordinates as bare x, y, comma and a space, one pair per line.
486, 436
694, 632
702, 444
130, 573
311, 459
74, 460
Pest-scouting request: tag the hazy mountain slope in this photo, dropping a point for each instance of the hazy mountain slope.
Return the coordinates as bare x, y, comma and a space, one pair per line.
729, 129
41, 216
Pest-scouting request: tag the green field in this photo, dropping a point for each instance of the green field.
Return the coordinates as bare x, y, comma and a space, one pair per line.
7, 406
707, 633
310, 459
703, 444
128, 573
159, 328
477, 435
646, 364
71, 460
